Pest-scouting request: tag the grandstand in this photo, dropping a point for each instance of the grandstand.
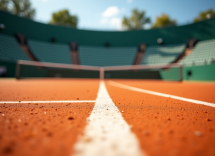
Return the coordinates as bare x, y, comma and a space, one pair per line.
101, 56
50, 52
162, 54
203, 53
10, 49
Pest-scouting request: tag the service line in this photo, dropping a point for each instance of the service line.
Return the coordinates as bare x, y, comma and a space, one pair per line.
106, 132
64, 101
116, 84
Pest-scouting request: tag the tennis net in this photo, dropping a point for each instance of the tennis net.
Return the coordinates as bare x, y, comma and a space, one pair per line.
34, 69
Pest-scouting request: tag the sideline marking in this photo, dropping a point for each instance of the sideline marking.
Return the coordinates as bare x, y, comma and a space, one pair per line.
66, 101
106, 132
116, 84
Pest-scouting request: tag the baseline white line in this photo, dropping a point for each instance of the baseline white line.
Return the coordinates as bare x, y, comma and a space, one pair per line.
106, 133
65, 101
116, 84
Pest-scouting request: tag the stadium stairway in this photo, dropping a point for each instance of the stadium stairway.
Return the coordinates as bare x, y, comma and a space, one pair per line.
74, 53
139, 58
140, 54
28, 52
22, 40
188, 50
74, 57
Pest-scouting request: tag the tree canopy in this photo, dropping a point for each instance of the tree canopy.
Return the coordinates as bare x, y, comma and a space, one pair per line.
163, 21
19, 7
136, 21
64, 18
205, 15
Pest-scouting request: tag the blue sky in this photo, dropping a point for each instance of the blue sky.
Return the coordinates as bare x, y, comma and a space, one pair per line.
107, 14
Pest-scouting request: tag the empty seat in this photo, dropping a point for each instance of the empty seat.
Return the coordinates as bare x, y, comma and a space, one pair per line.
203, 53
99, 56
50, 52
10, 50
162, 54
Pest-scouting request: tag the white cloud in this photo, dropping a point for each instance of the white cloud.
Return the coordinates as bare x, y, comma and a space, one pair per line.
116, 22
104, 21
111, 17
129, 1
113, 22
147, 26
111, 11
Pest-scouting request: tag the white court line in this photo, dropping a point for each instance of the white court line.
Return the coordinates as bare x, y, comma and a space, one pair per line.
107, 133
159, 94
65, 101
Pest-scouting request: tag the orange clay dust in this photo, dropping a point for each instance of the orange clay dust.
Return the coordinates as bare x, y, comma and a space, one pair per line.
48, 89
166, 126
203, 91
43, 129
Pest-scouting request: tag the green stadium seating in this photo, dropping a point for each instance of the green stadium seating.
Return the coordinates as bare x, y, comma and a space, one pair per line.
162, 54
203, 53
10, 50
100, 56
50, 52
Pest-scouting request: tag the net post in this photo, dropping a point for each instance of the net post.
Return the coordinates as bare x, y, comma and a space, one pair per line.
101, 73
17, 69
181, 72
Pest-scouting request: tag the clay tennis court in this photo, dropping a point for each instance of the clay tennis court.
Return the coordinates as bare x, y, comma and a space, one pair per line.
76, 116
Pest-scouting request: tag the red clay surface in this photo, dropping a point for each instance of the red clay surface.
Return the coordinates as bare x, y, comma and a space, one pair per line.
163, 126
48, 89
43, 129
203, 91
166, 126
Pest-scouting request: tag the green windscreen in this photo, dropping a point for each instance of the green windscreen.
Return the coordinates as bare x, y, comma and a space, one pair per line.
157, 73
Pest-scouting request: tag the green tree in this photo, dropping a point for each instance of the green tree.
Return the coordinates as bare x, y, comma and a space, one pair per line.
64, 18
19, 7
205, 15
136, 21
163, 21
4, 5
